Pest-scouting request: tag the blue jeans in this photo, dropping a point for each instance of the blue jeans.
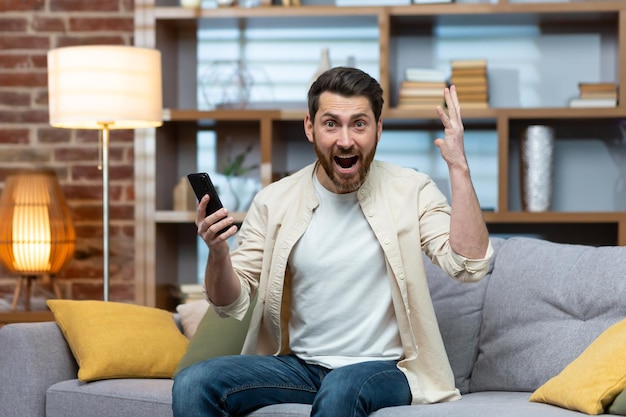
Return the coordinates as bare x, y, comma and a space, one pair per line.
237, 385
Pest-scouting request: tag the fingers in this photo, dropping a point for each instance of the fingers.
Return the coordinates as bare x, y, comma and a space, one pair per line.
210, 227
452, 102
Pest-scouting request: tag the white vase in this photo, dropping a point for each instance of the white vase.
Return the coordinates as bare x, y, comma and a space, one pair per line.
323, 66
537, 156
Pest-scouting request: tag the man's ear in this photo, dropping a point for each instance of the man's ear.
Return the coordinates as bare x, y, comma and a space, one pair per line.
308, 127
379, 129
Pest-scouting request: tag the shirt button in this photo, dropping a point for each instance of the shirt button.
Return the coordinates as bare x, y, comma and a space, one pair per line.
387, 241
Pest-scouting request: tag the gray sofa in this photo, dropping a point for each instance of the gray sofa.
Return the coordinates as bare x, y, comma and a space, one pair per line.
540, 306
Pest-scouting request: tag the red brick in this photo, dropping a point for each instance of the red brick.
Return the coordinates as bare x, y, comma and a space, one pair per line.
8, 61
89, 40
48, 24
83, 6
124, 212
21, 5
41, 97
74, 154
53, 135
15, 136
82, 192
14, 98
24, 116
24, 79
39, 61
24, 154
24, 42
90, 24
15, 24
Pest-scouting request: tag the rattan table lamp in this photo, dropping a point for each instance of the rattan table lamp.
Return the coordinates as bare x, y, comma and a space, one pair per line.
36, 232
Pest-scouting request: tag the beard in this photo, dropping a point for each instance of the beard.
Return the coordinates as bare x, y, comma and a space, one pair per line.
345, 183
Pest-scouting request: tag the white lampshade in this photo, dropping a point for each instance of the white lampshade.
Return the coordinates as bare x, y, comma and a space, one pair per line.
96, 84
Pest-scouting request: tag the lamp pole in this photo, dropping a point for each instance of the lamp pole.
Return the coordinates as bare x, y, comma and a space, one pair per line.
104, 147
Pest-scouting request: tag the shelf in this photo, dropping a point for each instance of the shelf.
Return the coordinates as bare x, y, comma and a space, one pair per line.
400, 114
595, 10
171, 216
549, 42
555, 217
25, 317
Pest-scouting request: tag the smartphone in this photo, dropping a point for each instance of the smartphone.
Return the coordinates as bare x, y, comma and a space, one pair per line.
202, 185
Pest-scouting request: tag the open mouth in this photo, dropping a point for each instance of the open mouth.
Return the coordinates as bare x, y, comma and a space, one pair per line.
346, 162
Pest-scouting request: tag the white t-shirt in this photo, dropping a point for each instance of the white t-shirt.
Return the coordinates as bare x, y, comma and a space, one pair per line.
341, 311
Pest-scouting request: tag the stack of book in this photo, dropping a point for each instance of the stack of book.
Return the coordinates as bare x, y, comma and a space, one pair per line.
422, 88
470, 78
595, 95
192, 292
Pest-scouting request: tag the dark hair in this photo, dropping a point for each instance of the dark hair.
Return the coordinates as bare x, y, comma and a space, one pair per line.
347, 82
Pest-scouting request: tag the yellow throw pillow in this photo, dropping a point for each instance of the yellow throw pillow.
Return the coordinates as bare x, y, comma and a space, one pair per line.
118, 340
592, 381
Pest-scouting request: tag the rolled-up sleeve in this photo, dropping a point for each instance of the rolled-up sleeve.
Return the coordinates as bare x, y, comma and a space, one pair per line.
236, 309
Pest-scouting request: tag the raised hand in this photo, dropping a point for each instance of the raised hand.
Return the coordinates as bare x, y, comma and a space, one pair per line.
451, 146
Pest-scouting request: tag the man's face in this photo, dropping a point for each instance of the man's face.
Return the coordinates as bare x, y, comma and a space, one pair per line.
345, 135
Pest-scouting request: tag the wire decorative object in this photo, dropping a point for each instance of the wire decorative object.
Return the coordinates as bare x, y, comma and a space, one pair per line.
229, 84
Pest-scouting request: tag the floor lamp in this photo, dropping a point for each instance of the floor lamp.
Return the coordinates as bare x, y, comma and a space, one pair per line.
104, 87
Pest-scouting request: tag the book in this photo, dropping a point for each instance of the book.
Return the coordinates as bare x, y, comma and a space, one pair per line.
593, 102
419, 106
468, 63
424, 74
433, 102
470, 71
594, 87
423, 84
421, 92
474, 105
472, 96
598, 94
478, 80
464, 88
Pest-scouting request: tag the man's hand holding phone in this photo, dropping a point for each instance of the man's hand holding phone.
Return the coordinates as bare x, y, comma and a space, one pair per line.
212, 218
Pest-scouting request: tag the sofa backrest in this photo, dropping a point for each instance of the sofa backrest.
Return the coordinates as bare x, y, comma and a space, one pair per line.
544, 304
458, 307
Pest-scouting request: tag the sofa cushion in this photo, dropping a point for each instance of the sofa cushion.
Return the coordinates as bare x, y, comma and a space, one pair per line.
480, 404
216, 336
458, 307
592, 381
545, 303
118, 340
190, 315
618, 406
110, 398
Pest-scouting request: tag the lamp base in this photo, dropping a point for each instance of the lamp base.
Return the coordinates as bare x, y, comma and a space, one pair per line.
29, 280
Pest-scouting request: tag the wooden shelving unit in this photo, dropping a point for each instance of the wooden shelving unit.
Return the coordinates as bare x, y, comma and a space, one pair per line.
165, 239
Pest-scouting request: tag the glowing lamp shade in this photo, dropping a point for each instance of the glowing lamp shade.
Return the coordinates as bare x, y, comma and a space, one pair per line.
36, 232
89, 86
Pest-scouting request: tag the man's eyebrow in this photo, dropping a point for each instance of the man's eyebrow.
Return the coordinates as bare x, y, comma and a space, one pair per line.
360, 115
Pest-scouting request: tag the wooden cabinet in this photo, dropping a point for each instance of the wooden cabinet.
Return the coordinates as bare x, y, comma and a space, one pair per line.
165, 248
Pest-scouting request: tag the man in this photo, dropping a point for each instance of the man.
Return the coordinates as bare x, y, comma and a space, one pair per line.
343, 318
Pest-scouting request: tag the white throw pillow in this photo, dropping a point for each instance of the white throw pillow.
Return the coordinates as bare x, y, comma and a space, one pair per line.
190, 315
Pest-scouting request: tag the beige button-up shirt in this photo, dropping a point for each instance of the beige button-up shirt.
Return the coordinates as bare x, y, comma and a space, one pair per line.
408, 215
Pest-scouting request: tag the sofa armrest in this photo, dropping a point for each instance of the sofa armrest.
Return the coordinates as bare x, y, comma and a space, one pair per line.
33, 356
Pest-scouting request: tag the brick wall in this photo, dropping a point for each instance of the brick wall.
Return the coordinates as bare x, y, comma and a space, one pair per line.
28, 29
